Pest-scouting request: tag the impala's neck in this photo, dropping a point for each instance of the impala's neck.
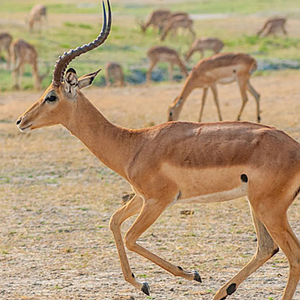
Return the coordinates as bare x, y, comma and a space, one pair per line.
189, 86
109, 143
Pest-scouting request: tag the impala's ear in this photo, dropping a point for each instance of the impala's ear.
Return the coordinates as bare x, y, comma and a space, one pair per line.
71, 83
87, 80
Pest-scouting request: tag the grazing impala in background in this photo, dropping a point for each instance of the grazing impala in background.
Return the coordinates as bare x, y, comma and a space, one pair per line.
156, 19
23, 53
5, 42
114, 75
273, 26
37, 16
221, 68
203, 44
185, 163
178, 22
164, 54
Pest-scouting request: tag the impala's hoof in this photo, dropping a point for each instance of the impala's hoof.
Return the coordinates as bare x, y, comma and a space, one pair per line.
146, 288
197, 277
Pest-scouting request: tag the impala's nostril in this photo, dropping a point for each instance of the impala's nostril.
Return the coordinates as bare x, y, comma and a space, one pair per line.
19, 121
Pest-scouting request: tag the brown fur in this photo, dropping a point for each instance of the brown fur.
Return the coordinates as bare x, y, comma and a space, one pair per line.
273, 26
203, 44
180, 160
24, 53
164, 54
220, 68
5, 42
114, 74
178, 22
37, 15
156, 19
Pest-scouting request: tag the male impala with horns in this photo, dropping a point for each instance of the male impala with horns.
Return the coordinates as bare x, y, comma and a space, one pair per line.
185, 163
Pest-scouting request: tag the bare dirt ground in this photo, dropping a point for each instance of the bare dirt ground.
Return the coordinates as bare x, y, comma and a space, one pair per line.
56, 200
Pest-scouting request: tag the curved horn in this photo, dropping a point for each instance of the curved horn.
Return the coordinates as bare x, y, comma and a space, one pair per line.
67, 57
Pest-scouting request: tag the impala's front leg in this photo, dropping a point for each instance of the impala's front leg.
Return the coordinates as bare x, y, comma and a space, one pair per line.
151, 210
128, 210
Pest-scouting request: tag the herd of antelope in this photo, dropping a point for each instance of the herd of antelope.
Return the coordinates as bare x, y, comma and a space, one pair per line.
181, 162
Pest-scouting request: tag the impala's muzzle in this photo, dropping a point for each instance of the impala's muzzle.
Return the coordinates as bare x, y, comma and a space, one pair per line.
23, 125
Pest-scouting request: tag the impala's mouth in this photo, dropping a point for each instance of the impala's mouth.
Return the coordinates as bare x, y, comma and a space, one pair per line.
25, 129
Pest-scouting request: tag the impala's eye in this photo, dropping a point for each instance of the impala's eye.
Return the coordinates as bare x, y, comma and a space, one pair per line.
51, 98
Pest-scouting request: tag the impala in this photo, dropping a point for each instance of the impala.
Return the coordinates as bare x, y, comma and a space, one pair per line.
272, 26
181, 162
221, 68
156, 19
176, 22
164, 54
37, 15
203, 44
114, 75
24, 53
5, 42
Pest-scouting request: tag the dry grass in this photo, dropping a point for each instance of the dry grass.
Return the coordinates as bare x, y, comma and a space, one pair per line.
56, 200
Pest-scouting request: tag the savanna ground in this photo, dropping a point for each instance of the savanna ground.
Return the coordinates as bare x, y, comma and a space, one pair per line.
56, 199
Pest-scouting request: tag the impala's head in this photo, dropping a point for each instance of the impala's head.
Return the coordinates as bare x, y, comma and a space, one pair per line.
59, 100
175, 109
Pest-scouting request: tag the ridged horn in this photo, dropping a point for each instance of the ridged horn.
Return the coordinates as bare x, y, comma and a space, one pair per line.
67, 57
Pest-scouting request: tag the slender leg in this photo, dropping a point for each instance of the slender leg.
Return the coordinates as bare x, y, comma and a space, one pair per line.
148, 75
284, 30
19, 73
205, 90
242, 85
170, 72
256, 95
215, 94
280, 230
266, 248
128, 210
151, 210
192, 32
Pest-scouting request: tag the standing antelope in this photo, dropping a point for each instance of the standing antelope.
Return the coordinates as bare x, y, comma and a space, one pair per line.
164, 54
272, 26
178, 22
205, 43
156, 19
5, 42
181, 162
221, 68
23, 53
36, 16
114, 74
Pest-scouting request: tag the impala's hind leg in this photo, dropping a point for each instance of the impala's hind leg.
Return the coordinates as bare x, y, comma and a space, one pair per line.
279, 228
266, 248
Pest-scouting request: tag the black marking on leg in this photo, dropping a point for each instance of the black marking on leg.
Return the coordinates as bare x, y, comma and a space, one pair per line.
234, 71
223, 298
231, 289
179, 268
275, 251
244, 178
132, 275
197, 277
146, 289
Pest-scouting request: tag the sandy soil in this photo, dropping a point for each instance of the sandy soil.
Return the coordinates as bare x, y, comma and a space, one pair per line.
56, 200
